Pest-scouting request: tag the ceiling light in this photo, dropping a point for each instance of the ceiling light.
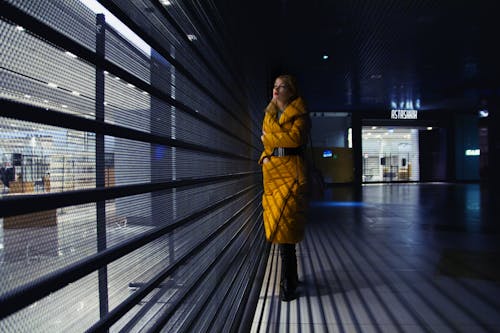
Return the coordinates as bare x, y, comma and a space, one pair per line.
483, 113
429, 128
166, 2
325, 56
71, 55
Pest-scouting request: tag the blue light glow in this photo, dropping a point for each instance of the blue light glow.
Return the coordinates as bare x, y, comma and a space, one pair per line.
159, 152
337, 204
327, 153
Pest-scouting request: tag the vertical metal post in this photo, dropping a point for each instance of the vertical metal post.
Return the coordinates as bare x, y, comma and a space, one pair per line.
100, 163
356, 125
357, 152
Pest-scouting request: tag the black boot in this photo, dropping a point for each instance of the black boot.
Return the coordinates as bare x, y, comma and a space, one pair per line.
287, 292
292, 274
289, 279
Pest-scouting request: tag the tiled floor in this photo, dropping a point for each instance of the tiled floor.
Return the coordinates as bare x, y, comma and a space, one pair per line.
406, 258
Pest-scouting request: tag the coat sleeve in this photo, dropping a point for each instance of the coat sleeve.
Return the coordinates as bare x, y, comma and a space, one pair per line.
295, 137
265, 153
268, 151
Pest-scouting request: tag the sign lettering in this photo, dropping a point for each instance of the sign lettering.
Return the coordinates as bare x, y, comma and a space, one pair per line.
404, 114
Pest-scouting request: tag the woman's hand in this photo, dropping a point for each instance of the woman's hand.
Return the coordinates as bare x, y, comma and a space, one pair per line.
265, 160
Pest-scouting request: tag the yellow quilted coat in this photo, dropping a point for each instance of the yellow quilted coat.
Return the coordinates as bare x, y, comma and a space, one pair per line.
284, 201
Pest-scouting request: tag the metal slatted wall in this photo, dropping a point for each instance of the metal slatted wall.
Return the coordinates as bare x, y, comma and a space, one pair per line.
131, 193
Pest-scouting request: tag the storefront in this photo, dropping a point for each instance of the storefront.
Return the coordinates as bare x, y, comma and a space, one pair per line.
390, 154
420, 146
397, 146
407, 146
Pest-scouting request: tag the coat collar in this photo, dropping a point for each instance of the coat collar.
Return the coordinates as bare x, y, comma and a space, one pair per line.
295, 108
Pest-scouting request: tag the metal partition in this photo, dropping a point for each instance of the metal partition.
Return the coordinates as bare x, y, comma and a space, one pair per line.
144, 211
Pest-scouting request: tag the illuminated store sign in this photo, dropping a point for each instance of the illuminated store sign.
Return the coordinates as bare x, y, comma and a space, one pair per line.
404, 114
472, 152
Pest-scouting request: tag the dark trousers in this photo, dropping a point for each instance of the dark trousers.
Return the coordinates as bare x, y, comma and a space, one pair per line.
289, 275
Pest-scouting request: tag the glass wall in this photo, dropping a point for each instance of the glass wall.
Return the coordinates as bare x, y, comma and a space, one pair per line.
129, 180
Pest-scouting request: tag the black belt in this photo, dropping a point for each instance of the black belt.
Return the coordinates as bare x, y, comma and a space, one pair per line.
287, 151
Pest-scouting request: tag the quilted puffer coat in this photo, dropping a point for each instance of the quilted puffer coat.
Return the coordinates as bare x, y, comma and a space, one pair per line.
284, 177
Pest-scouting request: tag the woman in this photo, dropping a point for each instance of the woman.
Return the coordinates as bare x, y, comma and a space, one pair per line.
285, 131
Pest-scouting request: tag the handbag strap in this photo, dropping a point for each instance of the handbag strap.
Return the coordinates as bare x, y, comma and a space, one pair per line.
309, 134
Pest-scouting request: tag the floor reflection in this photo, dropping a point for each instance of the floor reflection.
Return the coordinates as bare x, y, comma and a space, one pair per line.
405, 258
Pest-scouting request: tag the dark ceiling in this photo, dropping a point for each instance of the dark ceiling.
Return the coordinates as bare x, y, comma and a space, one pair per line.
426, 54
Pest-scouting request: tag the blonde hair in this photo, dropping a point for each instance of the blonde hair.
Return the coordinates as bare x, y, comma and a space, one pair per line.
291, 83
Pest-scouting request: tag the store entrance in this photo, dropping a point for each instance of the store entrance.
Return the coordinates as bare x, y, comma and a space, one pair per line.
390, 154
396, 167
